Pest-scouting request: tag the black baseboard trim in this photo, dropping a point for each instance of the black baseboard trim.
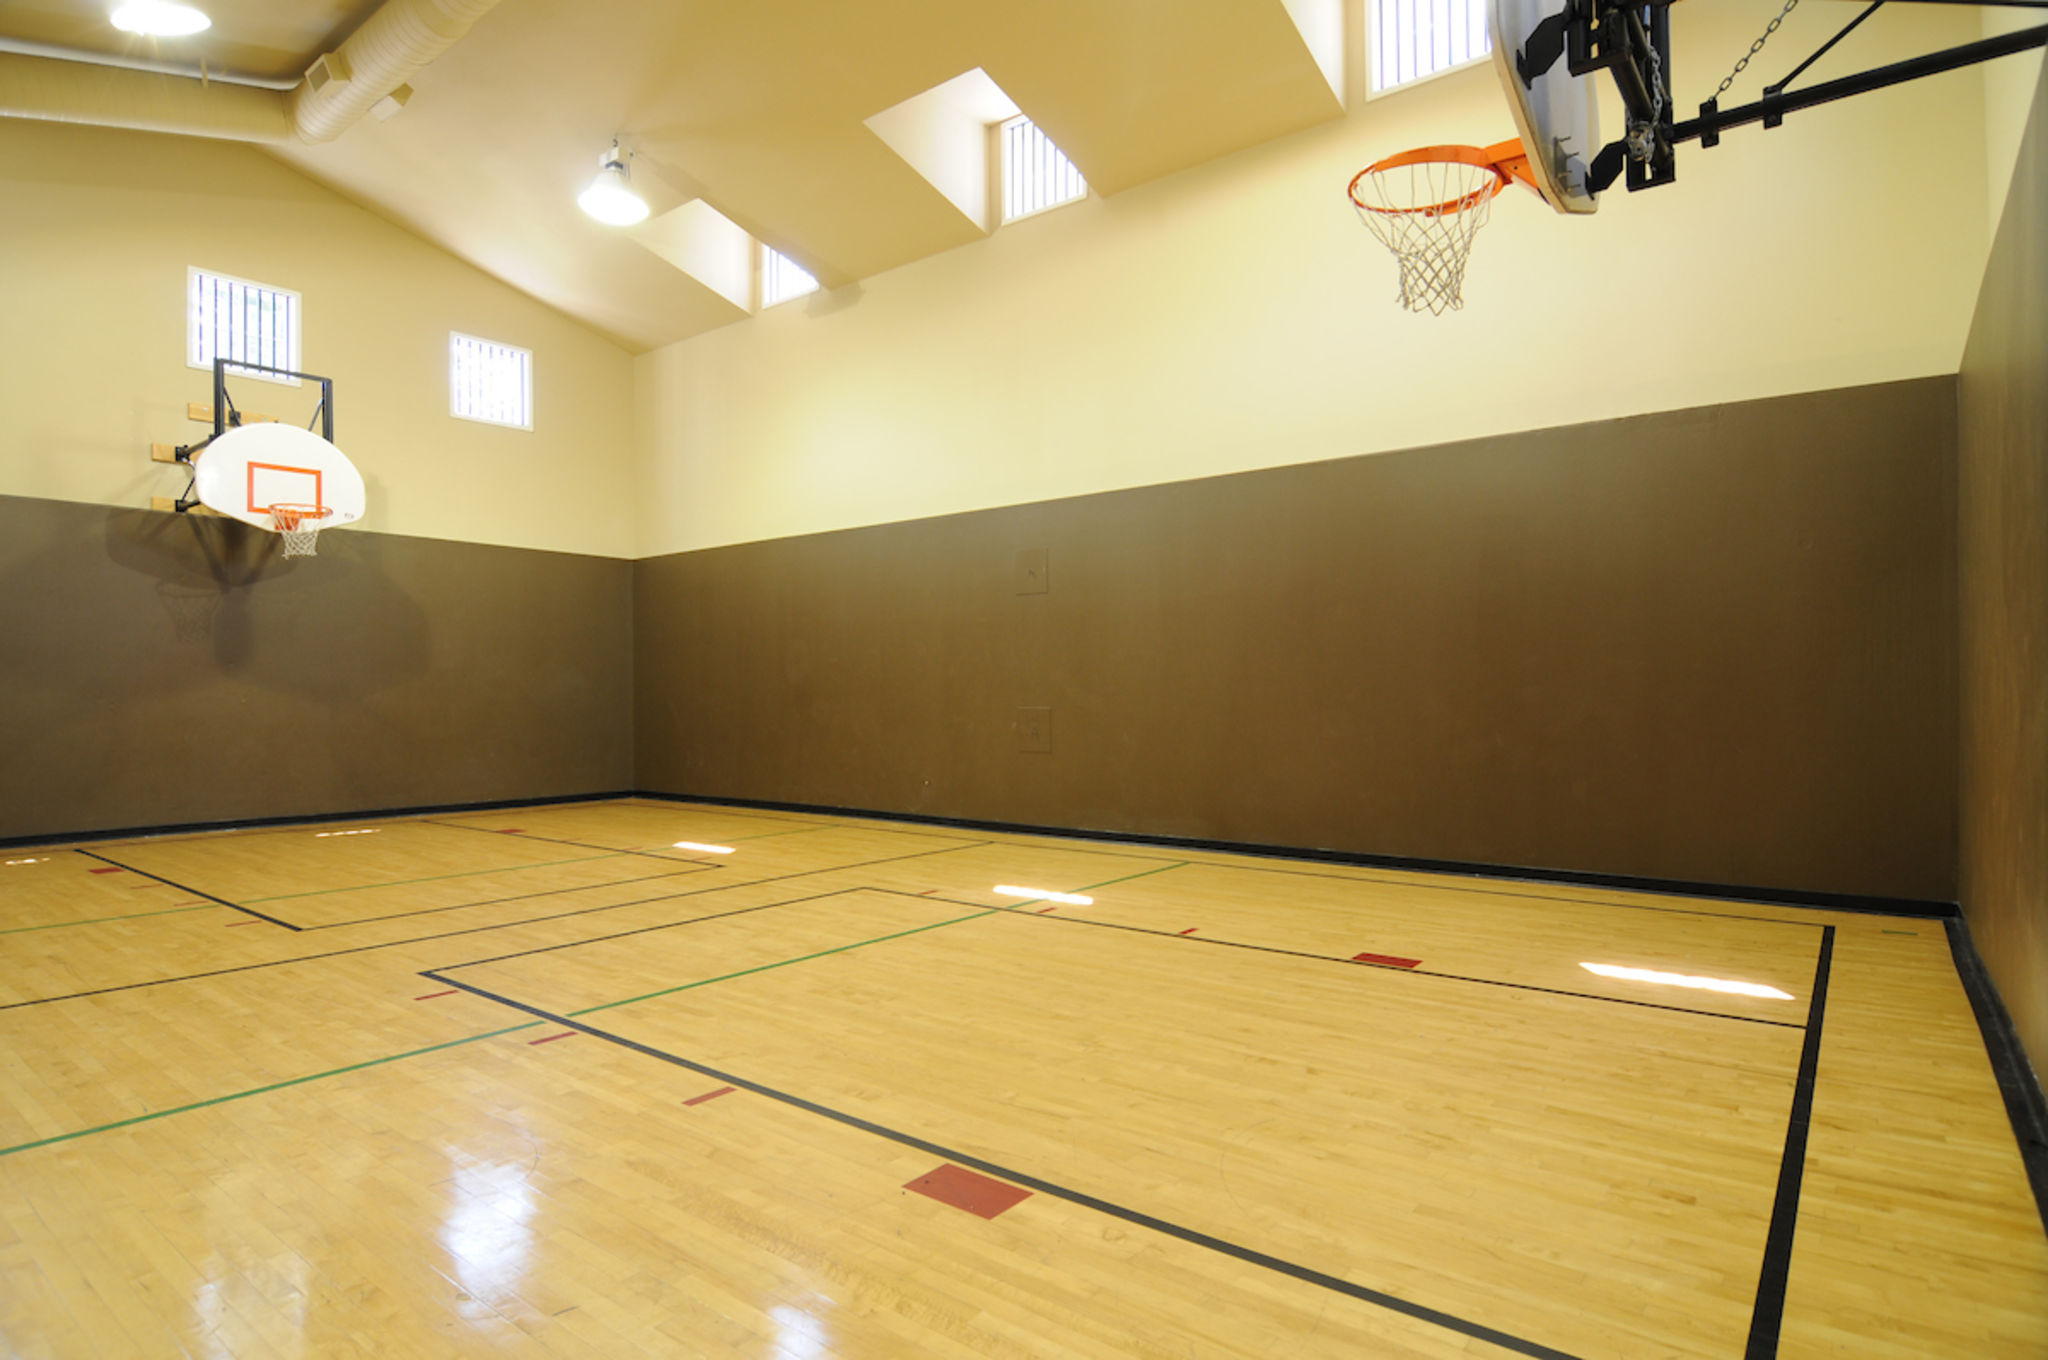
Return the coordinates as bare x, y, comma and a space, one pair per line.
2017, 1081
132, 833
1913, 907
1730, 892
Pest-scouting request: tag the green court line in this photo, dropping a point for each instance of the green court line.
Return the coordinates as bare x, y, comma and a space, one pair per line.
102, 920
839, 949
1177, 864
260, 1090
434, 878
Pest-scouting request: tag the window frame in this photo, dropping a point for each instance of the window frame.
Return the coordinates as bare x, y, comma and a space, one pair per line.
294, 351
762, 252
1373, 90
455, 337
999, 177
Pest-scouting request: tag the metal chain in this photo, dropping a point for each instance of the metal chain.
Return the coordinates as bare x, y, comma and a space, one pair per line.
1657, 77
1757, 46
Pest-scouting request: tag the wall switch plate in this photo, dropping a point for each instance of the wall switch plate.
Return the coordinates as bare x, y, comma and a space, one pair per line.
1031, 572
1034, 729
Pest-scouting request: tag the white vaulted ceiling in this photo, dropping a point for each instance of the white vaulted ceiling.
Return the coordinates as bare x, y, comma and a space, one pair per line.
756, 107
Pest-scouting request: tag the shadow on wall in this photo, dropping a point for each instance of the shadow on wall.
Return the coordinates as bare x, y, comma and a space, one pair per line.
182, 602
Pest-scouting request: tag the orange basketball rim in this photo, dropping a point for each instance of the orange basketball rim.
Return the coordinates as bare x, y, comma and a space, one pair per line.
1426, 205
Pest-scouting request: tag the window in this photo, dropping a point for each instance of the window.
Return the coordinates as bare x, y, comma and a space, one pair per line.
490, 382
1036, 174
1412, 39
238, 320
783, 278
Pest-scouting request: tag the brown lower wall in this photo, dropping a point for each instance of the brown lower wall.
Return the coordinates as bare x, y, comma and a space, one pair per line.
2003, 508
1711, 645
158, 669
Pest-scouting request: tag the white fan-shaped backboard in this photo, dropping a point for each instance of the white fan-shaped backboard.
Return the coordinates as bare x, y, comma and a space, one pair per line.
250, 468
1557, 113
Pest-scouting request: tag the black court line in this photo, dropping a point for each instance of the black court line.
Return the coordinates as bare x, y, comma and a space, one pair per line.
472, 930
1393, 1303
218, 901
557, 840
173, 832
1869, 905
1032, 915
1769, 1313
672, 925
1503, 892
520, 897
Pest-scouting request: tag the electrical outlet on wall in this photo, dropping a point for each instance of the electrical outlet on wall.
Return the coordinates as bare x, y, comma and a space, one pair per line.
1034, 729
1031, 572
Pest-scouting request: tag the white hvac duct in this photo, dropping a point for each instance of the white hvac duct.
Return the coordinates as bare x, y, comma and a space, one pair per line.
111, 96
392, 45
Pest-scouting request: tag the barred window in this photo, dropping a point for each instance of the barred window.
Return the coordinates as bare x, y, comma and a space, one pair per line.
240, 321
783, 278
1412, 39
1036, 174
490, 382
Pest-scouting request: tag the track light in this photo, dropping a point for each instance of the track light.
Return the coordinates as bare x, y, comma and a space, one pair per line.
159, 19
610, 197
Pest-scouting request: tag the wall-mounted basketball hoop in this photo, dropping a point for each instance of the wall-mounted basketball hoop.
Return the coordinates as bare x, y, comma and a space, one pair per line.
271, 475
1427, 204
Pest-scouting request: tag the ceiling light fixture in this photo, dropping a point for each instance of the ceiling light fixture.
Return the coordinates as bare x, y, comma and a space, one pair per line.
610, 197
159, 19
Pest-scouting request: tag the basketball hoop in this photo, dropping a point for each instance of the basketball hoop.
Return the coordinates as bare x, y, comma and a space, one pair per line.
1427, 205
298, 525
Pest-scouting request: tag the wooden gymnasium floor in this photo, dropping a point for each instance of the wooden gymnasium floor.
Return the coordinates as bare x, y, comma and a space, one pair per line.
535, 1083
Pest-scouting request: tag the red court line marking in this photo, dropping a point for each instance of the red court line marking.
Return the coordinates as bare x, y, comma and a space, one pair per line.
1390, 960
431, 995
232, 924
512, 831
550, 1038
711, 1095
1190, 930
981, 1195
110, 869
1043, 910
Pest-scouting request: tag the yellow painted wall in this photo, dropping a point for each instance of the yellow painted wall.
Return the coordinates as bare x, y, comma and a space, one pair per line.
1236, 315
97, 229
2008, 99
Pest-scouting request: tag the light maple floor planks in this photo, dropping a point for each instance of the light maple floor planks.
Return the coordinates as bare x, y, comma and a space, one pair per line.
459, 1085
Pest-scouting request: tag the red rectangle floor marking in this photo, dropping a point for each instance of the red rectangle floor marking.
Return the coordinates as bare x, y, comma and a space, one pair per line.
431, 995
512, 831
1390, 960
550, 1038
232, 924
110, 869
1190, 930
711, 1095
969, 1190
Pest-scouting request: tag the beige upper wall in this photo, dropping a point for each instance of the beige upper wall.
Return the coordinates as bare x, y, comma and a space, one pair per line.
97, 230
1237, 316
2008, 99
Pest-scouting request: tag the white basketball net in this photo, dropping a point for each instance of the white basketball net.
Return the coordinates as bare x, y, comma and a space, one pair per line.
1427, 213
299, 527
